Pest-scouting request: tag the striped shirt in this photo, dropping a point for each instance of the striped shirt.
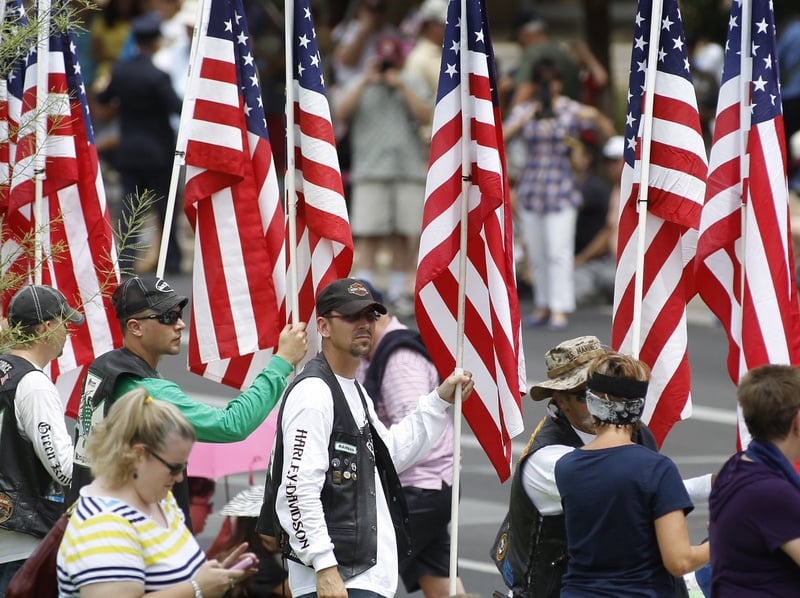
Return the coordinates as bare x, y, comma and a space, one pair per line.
107, 540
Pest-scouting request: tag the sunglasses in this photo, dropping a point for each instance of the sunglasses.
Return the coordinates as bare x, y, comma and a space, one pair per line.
175, 469
370, 315
168, 318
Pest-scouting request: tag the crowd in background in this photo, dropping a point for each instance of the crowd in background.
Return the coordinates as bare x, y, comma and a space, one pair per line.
382, 78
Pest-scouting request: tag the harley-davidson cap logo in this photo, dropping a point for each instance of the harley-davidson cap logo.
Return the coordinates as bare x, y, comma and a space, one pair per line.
358, 289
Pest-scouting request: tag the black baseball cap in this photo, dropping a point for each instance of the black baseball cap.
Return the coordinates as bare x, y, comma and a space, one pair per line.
348, 296
36, 303
146, 27
138, 294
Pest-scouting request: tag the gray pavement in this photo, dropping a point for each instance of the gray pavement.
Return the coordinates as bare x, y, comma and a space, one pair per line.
698, 445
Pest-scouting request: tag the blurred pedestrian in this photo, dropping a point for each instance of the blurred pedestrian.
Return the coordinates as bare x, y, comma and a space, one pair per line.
144, 98
596, 230
424, 61
357, 39
537, 45
547, 192
384, 107
36, 461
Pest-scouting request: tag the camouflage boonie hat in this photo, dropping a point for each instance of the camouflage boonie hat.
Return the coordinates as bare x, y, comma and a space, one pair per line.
567, 365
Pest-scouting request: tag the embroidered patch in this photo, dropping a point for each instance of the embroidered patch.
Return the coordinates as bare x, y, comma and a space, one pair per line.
502, 547
344, 447
6, 507
5, 368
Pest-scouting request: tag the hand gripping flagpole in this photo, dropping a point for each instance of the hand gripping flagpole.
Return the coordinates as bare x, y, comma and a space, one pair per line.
290, 180
40, 156
657, 9
189, 97
466, 183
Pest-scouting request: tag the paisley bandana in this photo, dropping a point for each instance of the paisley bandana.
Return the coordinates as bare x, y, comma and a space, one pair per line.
614, 412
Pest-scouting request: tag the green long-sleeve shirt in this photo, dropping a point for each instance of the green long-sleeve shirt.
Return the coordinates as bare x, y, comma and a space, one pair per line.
234, 422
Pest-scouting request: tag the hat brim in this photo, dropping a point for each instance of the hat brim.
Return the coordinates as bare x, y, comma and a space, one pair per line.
169, 303
75, 317
569, 381
351, 308
247, 503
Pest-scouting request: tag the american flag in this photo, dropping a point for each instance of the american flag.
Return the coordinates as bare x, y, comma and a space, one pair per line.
675, 195
233, 203
492, 332
78, 244
324, 242
761, 324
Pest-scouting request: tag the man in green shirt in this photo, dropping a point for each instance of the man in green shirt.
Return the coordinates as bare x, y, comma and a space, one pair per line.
150, 314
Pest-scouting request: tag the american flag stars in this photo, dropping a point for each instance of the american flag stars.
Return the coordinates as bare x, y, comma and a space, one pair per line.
309, 63
226, 23
765, 91
672, 58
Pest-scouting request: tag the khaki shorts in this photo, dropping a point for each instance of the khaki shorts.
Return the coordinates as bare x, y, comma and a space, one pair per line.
378, 208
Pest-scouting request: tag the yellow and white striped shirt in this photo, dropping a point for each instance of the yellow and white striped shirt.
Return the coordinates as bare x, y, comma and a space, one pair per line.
108, 540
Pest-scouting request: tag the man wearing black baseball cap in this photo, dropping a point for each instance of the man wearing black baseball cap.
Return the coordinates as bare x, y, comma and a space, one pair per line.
150, 313
331, 444
36, 460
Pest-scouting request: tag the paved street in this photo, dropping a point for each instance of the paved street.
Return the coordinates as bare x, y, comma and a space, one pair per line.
698, 445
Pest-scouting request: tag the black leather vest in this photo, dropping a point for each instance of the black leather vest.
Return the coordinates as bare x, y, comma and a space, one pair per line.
24, 481
97, 397
537, 545
349, 492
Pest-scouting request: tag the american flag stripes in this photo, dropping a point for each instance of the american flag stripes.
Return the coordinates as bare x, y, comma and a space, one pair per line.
324, 242
76, 231
492, 333
746, 276
233, 203
675, 196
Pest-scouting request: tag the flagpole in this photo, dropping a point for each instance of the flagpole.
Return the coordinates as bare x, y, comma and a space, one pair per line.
745, 76
39, 159
466, 183
179, 159
290, 180
644, 178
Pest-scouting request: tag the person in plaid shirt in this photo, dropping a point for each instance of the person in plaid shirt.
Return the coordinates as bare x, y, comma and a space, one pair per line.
548, 194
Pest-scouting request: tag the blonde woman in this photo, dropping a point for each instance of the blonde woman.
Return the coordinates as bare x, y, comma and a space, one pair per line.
127, 536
